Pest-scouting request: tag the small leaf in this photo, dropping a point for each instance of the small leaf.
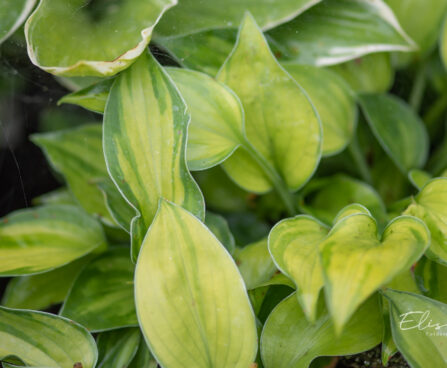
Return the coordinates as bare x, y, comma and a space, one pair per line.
219, 227
400, 132
294, 246
12, 14
255, 264
117, 348
94, 39
102, 296
289, 340
45, 340
40, 239
93, 97
356, 262
336, 31
419, 325
188, 291
145, 130
281, 123
333, 101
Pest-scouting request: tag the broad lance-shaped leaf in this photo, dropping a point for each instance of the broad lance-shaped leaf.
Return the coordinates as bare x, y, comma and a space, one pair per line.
102, 296
289, 340
294, 246
145, 130
189, 312
12, 15
191, 16
430, 205
98, 38
118, 348
400, 132
356, 261
335, 31
40, 239
419, 327
333, 101
282, 127
45, 340
77, 155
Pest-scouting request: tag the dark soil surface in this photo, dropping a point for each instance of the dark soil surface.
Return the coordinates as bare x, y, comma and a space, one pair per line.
371, 359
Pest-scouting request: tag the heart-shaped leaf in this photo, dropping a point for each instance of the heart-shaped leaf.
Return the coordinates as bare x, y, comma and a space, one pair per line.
188, 291
419, 327
102, 296
281, 123
294, 246
112, 34
431, 207
356, 28
333, 101
289, 340
145, 130
12, 15
40, 239
356, 262
191, 16
400, 132
118, 348
45, 340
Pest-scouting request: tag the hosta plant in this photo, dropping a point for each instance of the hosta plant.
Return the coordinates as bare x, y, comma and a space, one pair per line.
258, 186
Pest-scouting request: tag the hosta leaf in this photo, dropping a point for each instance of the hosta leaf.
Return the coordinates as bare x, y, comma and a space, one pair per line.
335, 31
400, 132
183, 304
77, 155
431, 207
431, 277
57, 196
117, 348
281, 123
255, 264
145, 130
45, 340
40, 239
191, 16
289, 340
356, 262
443, 43
219, 227
143, 358
12, 14
371, 73
93, 97
102, 295
294, 246
39, 292
419, 178
419, 326
112, 34
333, 101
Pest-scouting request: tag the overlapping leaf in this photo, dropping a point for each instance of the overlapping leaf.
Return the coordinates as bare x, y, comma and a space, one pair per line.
12, 15
118, 348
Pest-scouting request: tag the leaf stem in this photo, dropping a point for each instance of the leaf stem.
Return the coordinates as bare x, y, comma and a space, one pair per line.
418, 88
278, 183
359, 160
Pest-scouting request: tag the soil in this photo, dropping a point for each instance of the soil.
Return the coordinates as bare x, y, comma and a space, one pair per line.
371, 359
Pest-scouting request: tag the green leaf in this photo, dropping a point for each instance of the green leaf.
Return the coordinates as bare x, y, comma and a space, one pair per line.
40, 239
41, 291
289, 340
77, 155
356, 262
45, 340
100, 38
335, 31
183, 304
255, 264
431, 277
419, 325
431, 207
333, 101
219, 227
419, 178
57, 196
117, 348
145, 130
191, 16
12, 15
93, 97
371, 73
282, 126
143, 358
400, 132
294, 246
102, 296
